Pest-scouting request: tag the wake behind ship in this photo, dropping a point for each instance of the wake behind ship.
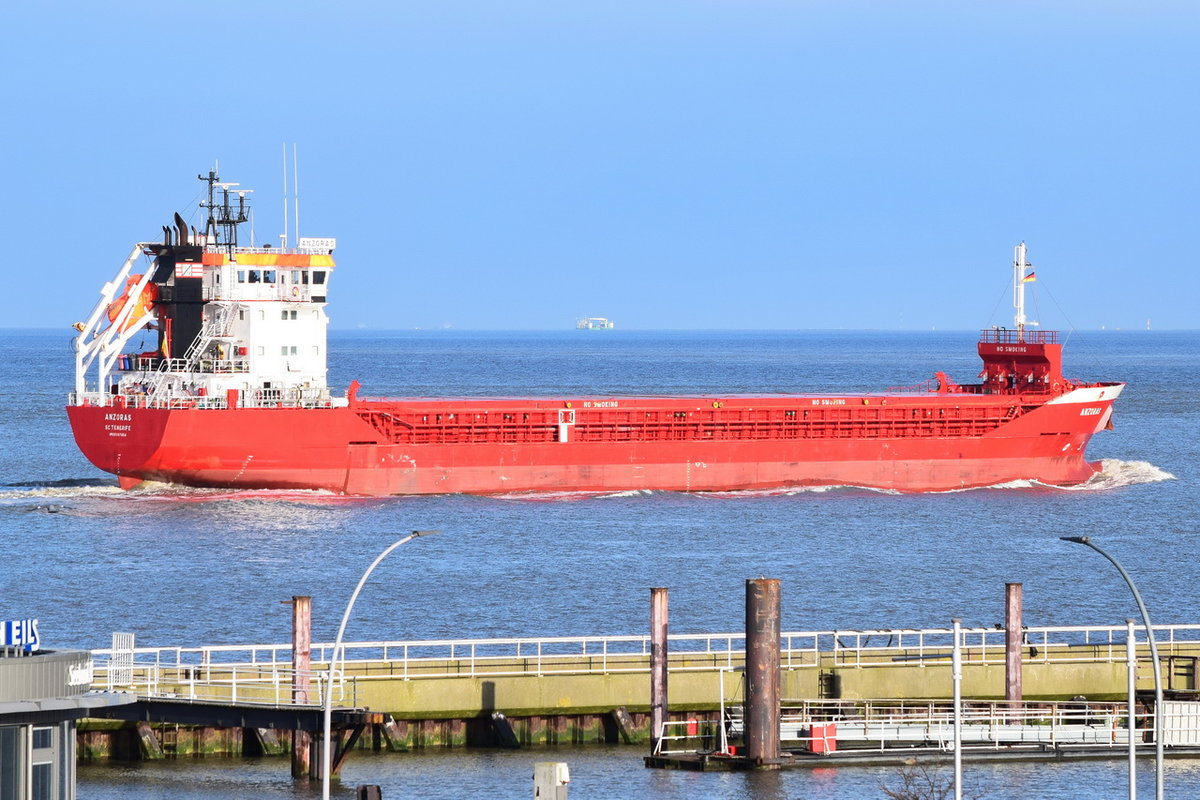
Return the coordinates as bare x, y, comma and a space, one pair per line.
235, 396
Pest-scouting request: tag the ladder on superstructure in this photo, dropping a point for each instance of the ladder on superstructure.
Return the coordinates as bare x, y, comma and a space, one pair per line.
217, 327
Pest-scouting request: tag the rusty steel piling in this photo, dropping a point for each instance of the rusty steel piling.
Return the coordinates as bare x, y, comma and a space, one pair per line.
1013, 642
762, 671
301, 677
658, 665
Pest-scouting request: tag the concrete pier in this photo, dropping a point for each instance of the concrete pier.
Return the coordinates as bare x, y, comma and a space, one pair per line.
565, 691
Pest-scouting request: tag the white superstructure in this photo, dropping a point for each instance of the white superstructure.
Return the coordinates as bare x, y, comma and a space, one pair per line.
244, 325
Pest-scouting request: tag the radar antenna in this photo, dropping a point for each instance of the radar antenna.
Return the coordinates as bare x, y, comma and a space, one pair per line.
223, 218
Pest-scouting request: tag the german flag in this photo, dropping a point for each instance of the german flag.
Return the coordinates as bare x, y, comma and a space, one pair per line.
1030, 278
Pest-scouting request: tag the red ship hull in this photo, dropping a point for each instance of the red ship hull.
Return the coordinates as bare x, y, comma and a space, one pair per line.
909, 443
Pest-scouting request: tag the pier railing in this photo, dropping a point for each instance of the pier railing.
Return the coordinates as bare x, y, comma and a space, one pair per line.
263, 672
889, 725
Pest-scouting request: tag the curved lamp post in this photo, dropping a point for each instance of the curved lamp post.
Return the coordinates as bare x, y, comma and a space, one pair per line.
957, 674
1158, 698
326, 754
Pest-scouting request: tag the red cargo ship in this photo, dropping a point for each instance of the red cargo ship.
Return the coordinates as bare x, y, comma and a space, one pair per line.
235, 396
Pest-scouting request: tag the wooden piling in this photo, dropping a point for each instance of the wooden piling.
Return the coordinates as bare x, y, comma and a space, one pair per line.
393, 736
149, 746
301, 681
658, 665
624, 724
762, 671
1013, 642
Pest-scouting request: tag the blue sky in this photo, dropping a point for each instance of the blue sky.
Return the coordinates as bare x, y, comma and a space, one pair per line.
513, 165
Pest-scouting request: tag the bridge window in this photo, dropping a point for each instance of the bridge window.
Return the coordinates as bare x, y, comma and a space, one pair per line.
241, 276
268, 276
318, 276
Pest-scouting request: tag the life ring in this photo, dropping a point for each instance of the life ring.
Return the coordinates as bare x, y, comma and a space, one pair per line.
295, 291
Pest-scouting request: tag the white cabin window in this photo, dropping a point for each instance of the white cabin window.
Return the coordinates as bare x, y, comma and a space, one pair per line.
287, 351
241, 276
318, 276
268, 276
287, 313
43, 738
241, 314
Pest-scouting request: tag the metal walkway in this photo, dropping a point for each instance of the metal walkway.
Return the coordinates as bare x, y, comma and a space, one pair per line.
262, 672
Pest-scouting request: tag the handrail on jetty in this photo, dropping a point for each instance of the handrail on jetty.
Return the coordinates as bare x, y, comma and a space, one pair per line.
263, 672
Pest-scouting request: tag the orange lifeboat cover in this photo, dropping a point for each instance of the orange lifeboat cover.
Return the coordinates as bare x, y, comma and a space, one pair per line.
144, 303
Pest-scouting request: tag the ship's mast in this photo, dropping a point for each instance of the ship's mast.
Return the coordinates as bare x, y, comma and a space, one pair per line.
223, 219
1020, 264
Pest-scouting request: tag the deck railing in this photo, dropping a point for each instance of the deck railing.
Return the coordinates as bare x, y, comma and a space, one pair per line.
258, 398
1013, 336
263, 672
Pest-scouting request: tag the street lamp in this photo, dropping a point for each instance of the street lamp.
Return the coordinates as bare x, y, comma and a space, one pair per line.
956, 675
326, 754
1131, 683
1158, 698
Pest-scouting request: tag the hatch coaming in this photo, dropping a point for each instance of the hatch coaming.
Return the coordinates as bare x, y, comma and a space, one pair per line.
682, 419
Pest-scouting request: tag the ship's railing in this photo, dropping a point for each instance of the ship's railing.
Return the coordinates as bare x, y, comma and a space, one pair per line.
146, 401
238, 668
292, 250
261, 398
182, 365
287, 398
1010, 336
277, 290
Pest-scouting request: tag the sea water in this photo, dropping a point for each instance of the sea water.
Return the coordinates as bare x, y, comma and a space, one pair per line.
188, 567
